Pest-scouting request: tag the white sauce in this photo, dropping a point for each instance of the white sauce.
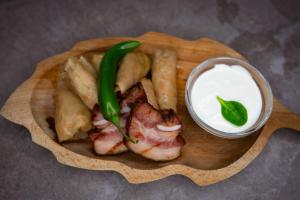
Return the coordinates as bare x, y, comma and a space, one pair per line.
233, 83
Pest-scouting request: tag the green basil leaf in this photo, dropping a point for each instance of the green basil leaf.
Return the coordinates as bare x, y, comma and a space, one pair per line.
233, 111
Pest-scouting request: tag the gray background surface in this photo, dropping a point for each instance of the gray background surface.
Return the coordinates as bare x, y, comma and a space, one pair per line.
266, 31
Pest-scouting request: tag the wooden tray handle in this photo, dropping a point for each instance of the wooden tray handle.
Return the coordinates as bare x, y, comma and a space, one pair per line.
283, 118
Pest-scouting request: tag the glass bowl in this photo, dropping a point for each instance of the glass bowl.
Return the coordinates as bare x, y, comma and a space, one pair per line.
262, 83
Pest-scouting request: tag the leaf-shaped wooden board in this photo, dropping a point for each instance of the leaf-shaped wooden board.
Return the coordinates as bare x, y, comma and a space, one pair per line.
205, 158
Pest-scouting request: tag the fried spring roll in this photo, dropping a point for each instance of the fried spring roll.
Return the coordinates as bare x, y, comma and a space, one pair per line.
95, 59
149, 91
72, 117
164, 78
88, 66
133, 68
82, 81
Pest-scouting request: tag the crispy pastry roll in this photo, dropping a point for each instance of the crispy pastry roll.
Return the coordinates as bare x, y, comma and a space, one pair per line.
72, 117
95, 59
88, 66
164, 78
82, 81
133, 68
149, 91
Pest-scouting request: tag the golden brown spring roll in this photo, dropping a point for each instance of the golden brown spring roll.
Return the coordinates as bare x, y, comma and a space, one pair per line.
133, 68
82, 81
164, 78
88, 66
148, 88
95, 59
72, 117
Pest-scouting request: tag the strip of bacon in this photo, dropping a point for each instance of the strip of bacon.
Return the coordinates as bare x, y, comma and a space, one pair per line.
106, 138
107, 141
97, 118
154, 143
132, 97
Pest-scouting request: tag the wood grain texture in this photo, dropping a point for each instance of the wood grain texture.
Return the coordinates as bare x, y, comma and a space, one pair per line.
205, 159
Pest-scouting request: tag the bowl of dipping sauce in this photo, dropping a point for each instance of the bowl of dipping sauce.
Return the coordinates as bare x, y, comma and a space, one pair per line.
233, 80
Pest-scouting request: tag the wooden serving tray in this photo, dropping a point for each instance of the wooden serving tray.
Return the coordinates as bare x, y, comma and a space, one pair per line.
205, 159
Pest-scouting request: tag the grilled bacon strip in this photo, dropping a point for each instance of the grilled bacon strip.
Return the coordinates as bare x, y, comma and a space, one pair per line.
106, 137
108, 141
157, 131
155, 142
132, 97
97, 118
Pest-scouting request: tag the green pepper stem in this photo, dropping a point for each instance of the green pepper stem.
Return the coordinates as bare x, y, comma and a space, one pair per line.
116, 121
126, 136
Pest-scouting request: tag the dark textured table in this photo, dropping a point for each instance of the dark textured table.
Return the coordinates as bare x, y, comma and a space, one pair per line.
266, 32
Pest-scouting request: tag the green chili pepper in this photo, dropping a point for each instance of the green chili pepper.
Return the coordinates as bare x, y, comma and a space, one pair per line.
106, 82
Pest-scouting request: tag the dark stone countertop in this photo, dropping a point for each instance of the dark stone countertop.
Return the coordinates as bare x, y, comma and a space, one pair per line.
267, 32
